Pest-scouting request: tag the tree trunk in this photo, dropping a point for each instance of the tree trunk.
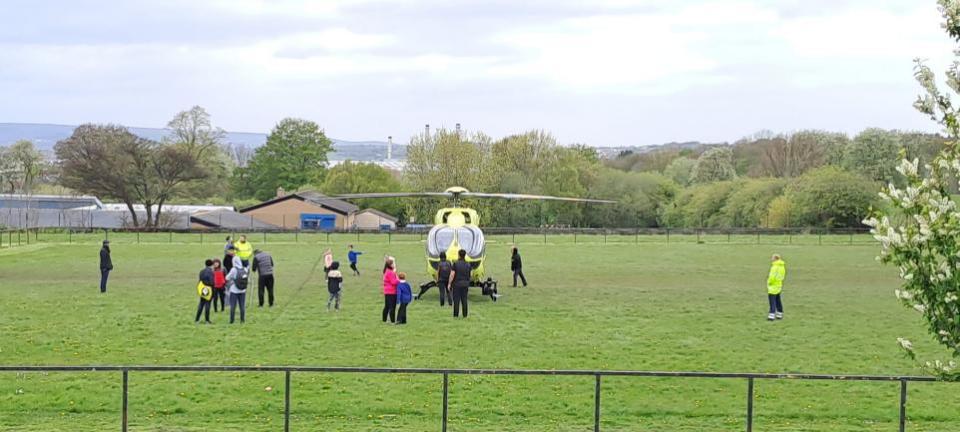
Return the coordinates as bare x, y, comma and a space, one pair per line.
133, 213
156, 221
148, 207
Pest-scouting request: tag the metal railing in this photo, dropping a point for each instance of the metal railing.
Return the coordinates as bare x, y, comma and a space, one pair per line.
834, 236
445, 373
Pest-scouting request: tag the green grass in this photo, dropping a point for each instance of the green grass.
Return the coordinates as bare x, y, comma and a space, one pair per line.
626, 304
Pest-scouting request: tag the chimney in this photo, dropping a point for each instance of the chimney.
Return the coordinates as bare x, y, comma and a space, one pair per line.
280, 192
389, 147
427, 130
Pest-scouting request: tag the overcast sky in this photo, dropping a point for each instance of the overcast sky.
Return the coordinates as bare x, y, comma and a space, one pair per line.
601, 72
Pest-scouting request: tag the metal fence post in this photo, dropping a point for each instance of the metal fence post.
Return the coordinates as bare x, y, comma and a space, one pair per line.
446, 385
123, 426
903, 405
596, 405
749, 404
286, 402
668, 235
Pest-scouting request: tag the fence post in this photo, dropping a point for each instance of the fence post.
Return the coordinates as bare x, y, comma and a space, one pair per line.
446, 385
574, 237
758, 235
170, 236
544, 236
389, 237
328, 237
286, 402
123, 425
514, 238
851, 237
358, 236
903, 405
596, 405
749, 404
296, 236
69, 235
668, 235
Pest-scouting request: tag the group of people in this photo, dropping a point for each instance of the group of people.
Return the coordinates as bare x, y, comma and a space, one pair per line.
226, 282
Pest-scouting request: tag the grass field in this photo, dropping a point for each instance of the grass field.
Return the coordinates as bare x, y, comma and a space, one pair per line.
627, 304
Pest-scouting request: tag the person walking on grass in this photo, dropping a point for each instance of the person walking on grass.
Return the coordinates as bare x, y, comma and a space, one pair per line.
404, 297
390, 282
778, 272
263, 265
244, 251
334, 285
516, 266
459, 283
219, 286
205, 291
237, 281
353, 256
106, 265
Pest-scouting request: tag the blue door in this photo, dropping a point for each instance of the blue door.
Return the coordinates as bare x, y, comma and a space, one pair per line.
320, 222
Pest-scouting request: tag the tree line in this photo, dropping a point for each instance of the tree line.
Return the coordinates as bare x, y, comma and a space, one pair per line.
807, 178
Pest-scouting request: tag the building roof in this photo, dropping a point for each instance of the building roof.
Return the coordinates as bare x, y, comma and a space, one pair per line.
49, 201
316, 198
228, 219
380, 214
167, 208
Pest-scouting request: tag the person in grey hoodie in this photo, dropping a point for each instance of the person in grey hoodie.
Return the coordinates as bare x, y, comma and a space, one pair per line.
263, 265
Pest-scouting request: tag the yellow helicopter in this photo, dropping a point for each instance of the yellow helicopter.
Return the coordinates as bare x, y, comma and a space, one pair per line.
457, 228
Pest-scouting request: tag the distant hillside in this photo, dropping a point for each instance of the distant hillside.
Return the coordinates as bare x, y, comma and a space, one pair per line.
45, 136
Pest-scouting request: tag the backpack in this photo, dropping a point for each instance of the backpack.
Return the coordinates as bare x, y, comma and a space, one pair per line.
243, 278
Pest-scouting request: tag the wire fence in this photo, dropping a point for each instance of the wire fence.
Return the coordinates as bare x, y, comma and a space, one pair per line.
519, 236
597, 376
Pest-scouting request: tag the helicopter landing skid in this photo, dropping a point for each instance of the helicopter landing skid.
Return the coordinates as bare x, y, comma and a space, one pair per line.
488, 288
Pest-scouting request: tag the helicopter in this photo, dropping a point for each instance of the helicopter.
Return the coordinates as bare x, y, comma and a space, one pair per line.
458, 228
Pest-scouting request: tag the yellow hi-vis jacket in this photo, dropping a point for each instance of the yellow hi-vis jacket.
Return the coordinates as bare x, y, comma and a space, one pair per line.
244, 250
778, 271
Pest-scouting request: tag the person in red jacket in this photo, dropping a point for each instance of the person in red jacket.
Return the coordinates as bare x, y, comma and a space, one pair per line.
219, 286
390, 282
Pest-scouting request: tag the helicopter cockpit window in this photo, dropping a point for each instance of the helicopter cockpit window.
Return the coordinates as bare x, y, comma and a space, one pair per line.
471, 240
439, 240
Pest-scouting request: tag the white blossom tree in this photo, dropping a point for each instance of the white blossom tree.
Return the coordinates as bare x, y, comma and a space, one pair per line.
920, 233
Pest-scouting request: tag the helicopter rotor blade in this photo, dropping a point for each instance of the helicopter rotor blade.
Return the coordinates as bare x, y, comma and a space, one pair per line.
395, 195
511, 196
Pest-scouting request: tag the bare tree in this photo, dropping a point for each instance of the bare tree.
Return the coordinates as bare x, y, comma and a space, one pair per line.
109, 161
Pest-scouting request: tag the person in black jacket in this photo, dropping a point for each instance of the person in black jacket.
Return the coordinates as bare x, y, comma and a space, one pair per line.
106, 265
442, 283
516, 265
206, 277
459, 283
334, 285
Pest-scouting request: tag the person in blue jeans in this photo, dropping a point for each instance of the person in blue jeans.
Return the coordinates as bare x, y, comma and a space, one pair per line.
352, 256
106, 265
404, 297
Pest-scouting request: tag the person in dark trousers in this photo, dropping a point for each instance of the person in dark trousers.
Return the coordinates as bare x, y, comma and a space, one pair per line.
442, 281
390, 282
334, 285
205, 291
237, 281
106, 265
219, 286
404, 297
352, 256
516, 265
263, 265
227, 258
459, 283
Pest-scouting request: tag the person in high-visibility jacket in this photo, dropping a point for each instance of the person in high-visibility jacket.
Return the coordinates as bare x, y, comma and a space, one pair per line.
778, 272
244, 251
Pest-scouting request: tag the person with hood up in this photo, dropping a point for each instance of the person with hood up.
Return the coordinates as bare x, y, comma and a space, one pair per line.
106, 265
516, 265
778, 272
334, 285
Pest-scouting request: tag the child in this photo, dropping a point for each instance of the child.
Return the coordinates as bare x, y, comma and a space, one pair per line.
404, 297
327, 261
205, 291
219, 286
334, 285
778, 272
352, 257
